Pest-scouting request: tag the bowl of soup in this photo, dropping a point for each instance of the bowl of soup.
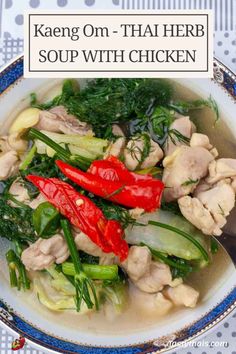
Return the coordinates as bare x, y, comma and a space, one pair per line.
112, 194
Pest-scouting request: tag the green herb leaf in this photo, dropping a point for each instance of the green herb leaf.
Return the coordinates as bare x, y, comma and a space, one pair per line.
184, 107
173, 207
46, 220
190, 181
161, 119
16, 223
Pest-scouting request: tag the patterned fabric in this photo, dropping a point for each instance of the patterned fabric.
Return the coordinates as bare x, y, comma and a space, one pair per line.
223, 339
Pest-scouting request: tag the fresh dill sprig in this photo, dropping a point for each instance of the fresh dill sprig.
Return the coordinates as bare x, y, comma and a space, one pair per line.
176, 135
115, 212
190, 181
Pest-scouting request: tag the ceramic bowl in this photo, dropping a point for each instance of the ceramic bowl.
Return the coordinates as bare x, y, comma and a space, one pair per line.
51, 332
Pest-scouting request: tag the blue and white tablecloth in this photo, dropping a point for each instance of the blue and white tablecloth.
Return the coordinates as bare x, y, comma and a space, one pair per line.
223, 339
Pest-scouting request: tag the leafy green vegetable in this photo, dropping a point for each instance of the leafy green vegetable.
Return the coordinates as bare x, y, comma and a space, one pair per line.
183, 234
85, 146
60, 282
61, 152
46, 220
116, 293
60, 303
106, 101
16, 223
167, 241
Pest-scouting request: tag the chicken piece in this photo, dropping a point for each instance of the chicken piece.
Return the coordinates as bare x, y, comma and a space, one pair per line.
116, 148
138, 262
220, 169
84, 244
13, 142
134, 151
185, 127
201, 187
154, 156
37, 201
182, 295
48, 121
71, 124
195, 212
146, 275
19, 192
175, 282
117, 131
9, 164
107, 259
151, 304
219, 200
183, 170
202, 140
44, 252
59, 121
210, 206
153, 281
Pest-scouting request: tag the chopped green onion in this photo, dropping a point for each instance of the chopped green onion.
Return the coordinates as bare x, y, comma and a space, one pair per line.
93, 271
28, 159
80, 161
16, 267
82, 282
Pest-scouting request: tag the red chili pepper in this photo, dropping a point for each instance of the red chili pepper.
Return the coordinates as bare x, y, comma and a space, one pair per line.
144, 194
18, 344
113, 169
113, 232
80, 211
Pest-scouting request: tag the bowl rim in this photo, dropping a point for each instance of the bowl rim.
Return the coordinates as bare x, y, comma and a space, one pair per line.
10, 75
